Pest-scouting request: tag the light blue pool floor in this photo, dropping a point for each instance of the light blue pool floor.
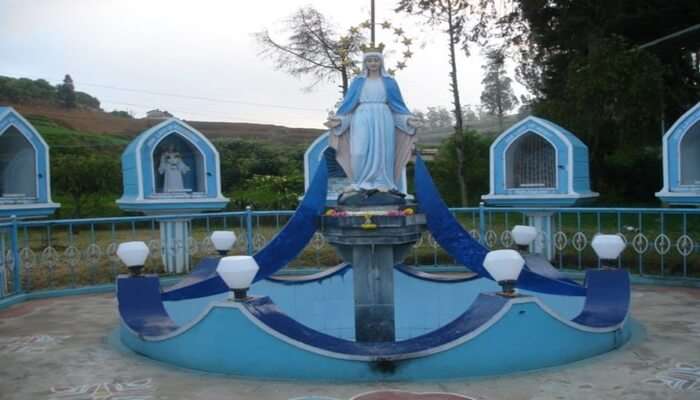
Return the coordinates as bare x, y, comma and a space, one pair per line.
327, 305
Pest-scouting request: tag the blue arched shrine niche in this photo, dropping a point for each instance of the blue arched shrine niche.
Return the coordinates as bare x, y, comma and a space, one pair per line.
17, 166
690, 157
145, 172
24, 168
681, 160
538, 163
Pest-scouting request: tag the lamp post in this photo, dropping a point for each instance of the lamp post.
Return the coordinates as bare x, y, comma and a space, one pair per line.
238, 272
523, 235
607, 247
223, 241
505, 266
133, 255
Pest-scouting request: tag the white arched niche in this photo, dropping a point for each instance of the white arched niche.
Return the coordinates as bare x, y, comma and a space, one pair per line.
531, 163
690, 156
179, 151
18, 177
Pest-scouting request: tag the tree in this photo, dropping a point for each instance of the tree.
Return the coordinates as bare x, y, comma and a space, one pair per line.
597, 68
85, 100
420, 116
469, 115
476, 167
438, 117
25, 90
85, 177
452, 15
66, 93
497, 97
313, 48
269, 192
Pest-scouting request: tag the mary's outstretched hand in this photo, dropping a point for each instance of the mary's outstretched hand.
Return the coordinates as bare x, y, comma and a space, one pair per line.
332, 123
414, 122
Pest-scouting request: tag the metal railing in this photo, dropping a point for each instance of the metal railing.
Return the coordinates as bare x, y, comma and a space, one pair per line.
72, 253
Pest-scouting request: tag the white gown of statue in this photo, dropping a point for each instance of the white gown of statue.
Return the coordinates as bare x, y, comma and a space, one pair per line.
372, 136
172, 168
379, 142
373, 140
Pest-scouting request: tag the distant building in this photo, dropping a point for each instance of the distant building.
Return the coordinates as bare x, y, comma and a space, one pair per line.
158, 114
428, 153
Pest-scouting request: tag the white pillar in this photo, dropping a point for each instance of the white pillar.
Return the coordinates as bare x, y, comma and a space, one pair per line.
174, 245
544, 242
3, 267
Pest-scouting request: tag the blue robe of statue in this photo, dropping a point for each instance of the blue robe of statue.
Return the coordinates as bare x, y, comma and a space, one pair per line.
373, 142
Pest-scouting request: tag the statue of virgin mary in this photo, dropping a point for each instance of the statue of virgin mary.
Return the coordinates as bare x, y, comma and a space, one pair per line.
373, 132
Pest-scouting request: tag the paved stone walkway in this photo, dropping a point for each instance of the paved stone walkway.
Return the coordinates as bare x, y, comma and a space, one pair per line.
59, 349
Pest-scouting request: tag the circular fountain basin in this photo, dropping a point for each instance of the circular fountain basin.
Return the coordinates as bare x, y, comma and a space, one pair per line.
304, 328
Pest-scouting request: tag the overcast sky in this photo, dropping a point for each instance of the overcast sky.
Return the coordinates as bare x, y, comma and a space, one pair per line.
205, 49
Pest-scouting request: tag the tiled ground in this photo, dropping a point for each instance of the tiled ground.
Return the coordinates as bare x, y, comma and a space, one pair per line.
60, 349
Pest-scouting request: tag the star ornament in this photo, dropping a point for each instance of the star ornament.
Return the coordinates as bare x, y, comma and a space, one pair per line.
398, 32
401, 65
386, 25
407, 41
407, 54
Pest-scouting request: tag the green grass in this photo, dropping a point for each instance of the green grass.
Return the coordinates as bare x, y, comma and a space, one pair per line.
61, 137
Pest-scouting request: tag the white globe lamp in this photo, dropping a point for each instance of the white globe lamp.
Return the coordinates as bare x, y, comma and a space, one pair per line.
607, 247
238, 272
223, 241
523, 235
133, 255
505, 266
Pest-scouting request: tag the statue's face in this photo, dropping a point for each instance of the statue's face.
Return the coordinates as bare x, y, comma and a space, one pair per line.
373, 64
172, 158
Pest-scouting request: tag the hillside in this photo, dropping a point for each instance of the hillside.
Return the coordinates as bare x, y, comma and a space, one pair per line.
104, 123
39, 100
489, 127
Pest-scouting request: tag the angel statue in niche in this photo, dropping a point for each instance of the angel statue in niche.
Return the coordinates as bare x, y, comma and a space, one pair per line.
172, 168
373, 133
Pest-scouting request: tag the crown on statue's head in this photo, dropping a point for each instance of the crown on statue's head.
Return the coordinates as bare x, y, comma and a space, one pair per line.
372, 49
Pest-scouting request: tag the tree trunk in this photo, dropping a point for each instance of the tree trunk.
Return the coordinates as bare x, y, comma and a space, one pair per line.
77, 211
459, 139
344, 78
499, 99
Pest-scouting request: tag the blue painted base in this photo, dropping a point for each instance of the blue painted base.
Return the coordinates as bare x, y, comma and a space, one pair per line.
28, 210
538, 200
257, 339
689, 199
176, 206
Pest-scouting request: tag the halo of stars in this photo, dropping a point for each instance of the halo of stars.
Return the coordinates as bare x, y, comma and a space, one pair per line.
400, 38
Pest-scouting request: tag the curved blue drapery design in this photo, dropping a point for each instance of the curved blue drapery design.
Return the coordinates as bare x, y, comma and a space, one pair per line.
287, 244
298, 231
461, 246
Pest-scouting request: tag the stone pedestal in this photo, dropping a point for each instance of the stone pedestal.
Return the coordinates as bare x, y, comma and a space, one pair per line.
544, 243
3, 265
373, 244
174, 242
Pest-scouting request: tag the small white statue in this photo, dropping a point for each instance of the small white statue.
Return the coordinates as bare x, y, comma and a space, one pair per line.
172, 168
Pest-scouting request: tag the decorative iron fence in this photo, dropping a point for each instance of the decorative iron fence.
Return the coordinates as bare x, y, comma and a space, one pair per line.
55, 254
